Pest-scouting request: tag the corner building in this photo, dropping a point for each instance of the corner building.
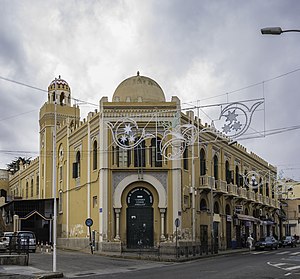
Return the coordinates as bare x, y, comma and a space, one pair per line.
111, 168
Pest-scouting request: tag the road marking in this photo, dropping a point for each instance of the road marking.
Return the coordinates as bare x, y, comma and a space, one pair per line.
278, 264
295, 253
292, 267
282, 253
258, 252
287, 274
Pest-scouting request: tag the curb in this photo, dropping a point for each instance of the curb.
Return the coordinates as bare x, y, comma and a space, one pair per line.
48, 275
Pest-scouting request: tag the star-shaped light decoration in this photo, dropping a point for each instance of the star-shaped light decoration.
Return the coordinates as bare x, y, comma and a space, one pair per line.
226, 128
127, 129
236, 125
231, 116
131, 138
123, 139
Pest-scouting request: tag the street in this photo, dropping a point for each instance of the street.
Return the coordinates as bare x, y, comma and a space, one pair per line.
281, 263
284, 263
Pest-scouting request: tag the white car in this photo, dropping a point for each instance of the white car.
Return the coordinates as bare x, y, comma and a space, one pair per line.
27, 240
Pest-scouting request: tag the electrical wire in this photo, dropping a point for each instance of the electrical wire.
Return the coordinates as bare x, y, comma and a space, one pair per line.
249, 86
43, 90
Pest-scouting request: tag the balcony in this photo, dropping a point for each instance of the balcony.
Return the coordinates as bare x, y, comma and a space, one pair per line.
274, 203
242, 192
221, 186
232, 190
250, 195
266, 200
206, 182
258, 198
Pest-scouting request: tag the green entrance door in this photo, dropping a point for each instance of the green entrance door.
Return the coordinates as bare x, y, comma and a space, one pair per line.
139, 219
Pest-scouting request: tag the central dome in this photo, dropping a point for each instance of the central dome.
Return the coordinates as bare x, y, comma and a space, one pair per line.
139, 89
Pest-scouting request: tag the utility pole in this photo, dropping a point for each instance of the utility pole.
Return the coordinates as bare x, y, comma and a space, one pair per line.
54, 183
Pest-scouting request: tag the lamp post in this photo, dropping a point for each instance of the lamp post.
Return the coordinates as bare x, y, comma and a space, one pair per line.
54, 182
276, 31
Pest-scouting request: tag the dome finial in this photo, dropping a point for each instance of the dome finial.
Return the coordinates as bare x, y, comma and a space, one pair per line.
138, 73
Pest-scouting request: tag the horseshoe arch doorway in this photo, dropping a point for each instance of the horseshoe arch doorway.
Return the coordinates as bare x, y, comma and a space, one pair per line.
139, 218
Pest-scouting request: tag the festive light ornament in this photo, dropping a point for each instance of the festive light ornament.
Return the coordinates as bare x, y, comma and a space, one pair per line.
238, 118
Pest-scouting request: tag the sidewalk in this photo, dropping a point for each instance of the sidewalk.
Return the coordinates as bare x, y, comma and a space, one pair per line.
76, 264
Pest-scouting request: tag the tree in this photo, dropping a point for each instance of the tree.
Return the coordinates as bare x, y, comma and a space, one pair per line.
14, 166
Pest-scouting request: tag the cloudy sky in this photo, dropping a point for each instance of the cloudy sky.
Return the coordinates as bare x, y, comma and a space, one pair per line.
205, 52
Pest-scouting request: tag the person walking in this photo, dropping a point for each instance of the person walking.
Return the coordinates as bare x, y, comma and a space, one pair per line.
250, 242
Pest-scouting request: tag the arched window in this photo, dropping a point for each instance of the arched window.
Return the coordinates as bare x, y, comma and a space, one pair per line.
216, 208
260, 186
31, 188
202, 162
139, 154
267, 189
155, 154
26, 190
95, 148
76, 166
228, 173
62, 98
227, 209
237, 176
37, 185
216, 168
246, 180
203, 205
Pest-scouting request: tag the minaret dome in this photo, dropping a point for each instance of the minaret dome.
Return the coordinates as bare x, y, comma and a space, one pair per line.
61, 89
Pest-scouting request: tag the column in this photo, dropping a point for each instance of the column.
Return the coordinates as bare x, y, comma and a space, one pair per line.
117, 212
162, 224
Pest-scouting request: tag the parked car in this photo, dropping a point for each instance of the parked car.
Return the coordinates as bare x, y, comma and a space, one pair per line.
27, 240
268, 242
288, 241
4, 240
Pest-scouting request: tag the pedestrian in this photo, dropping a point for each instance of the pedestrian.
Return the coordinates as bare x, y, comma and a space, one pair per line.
250, 242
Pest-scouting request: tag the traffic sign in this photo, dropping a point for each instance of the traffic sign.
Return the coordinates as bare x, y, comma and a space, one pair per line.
89, 222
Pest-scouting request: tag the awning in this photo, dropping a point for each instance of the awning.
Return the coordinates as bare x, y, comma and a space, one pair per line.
248, 218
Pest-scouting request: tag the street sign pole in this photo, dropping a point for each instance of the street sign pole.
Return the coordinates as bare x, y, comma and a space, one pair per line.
177, 224
89, 223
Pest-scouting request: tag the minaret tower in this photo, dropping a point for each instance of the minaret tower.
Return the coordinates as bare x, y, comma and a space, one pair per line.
66, 115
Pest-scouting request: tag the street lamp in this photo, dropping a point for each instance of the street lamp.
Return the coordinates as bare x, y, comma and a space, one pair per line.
54, 176
276, 30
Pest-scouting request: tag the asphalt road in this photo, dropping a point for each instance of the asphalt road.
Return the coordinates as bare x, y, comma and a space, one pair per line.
281, 263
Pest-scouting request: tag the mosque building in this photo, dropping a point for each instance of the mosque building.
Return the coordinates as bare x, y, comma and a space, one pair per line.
137, 169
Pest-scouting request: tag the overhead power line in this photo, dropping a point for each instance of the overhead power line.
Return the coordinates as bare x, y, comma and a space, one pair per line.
249, 86
43, 90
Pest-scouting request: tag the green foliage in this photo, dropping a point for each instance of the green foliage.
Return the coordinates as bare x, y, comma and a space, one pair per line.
14, 166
